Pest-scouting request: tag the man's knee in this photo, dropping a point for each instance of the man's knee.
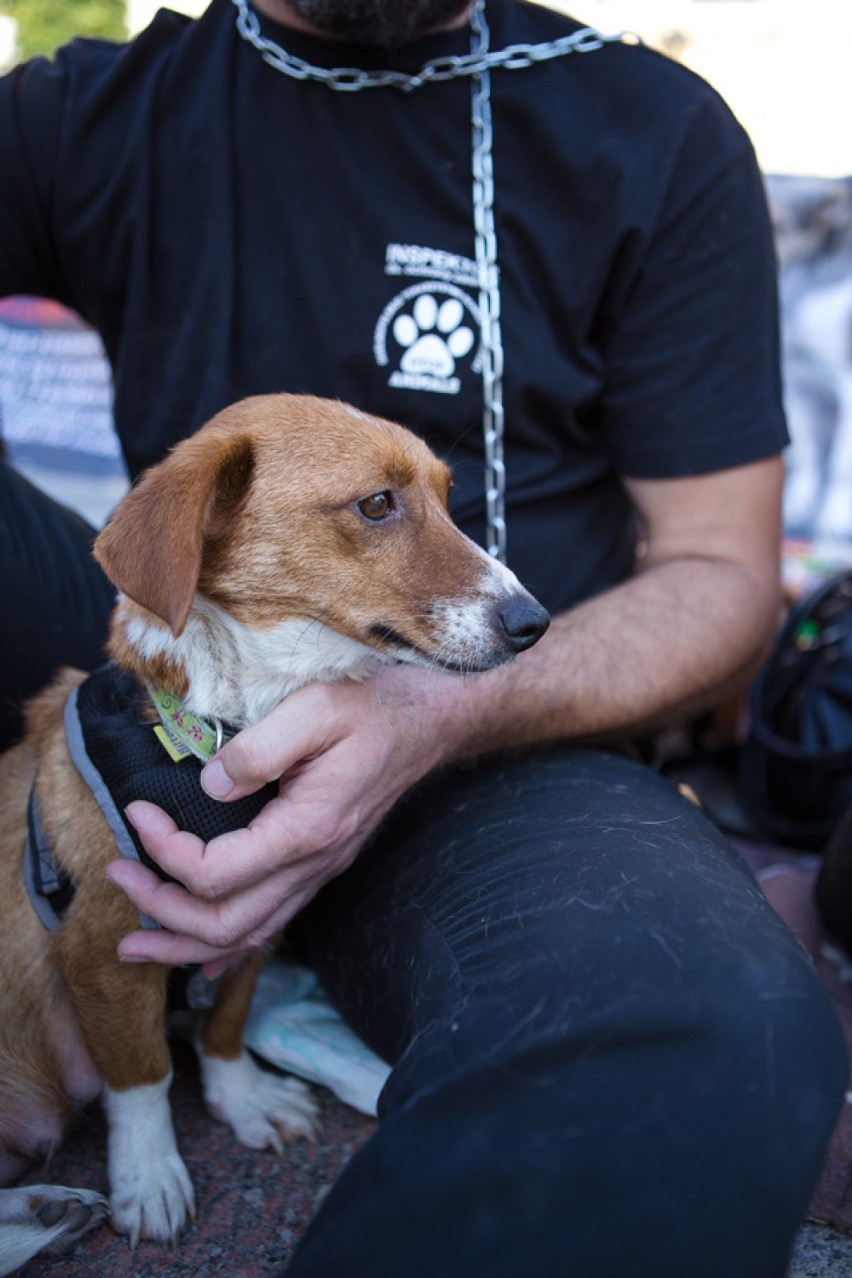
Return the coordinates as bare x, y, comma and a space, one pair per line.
701, 1115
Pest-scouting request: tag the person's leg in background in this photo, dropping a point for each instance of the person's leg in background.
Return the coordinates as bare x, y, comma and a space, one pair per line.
612, 1058
56, 600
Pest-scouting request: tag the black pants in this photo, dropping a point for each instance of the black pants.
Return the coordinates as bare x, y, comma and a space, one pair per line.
611, 1057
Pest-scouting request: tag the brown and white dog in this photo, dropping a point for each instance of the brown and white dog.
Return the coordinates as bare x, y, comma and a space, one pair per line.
291, 540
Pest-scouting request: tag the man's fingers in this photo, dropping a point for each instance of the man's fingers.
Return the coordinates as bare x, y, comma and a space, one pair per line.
176, 951
196, 932
199, 931
269, 749
218, 966
151, 896
228, 863
243, 919
178, 852
151, 823
171, 905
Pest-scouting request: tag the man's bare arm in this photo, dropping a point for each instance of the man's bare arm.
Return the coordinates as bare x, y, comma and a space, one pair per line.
692, 624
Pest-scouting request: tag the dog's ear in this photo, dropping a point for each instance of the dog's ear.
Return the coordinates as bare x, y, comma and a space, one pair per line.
152, 547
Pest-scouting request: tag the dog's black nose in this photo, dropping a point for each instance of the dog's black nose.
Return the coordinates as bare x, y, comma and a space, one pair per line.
524, 621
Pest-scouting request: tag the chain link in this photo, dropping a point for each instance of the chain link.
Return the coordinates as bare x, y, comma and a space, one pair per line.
514, 57
477, 64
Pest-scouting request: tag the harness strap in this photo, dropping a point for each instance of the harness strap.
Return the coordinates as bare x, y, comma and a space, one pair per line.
50, 891
90, 774
120, 757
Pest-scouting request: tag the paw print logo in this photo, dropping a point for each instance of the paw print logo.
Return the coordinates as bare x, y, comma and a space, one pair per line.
424, 333
433, 336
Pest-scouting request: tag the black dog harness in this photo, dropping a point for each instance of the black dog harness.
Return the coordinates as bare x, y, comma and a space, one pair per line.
121, 757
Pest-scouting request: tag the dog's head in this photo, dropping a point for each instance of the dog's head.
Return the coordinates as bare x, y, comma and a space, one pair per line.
288, 511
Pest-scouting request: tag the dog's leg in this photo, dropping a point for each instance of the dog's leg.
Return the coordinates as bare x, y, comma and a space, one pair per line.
121, 1009
45, 1218
150, 1189
263, 1109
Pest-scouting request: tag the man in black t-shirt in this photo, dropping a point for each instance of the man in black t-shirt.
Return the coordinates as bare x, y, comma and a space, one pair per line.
609, 1057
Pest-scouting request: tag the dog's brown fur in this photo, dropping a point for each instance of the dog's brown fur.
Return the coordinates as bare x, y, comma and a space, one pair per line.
258, 515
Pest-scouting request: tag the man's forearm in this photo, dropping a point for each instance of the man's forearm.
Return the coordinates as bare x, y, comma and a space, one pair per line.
674, 640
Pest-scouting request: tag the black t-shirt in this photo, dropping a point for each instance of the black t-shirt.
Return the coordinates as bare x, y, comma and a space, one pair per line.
231, 231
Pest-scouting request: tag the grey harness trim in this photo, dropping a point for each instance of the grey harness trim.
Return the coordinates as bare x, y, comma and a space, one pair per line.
95, 782
50, 890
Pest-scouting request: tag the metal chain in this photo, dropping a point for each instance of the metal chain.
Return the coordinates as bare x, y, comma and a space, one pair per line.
351, 79
476, 64
491, 339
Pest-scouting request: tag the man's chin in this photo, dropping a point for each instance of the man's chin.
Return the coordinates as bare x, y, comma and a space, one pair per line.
385, 23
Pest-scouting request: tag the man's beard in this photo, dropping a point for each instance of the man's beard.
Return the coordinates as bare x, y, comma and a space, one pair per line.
380, 22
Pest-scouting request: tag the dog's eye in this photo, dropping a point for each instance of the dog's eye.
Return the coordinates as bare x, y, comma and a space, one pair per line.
376, 506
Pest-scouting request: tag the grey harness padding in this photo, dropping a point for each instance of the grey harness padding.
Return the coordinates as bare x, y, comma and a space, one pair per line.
118, 755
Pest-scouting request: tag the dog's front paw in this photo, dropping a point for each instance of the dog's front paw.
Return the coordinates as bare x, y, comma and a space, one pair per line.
263, 1109
152, 1201
150, 1191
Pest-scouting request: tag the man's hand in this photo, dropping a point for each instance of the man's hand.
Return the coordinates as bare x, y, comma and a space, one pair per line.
344, 753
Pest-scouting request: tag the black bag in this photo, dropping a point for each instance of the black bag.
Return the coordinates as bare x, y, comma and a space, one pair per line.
796, 764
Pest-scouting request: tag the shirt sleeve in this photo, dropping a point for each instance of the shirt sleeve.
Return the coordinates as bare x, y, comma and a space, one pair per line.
31, 99
691, 345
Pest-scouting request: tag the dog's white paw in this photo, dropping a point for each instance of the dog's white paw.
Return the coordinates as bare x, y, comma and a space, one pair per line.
45, 1218
150, 1191
263, 1109
152, 1201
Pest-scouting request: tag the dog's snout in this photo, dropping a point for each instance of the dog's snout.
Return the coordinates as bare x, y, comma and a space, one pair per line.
523, 621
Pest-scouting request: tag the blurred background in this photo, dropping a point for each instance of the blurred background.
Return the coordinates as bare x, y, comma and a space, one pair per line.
783, 68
